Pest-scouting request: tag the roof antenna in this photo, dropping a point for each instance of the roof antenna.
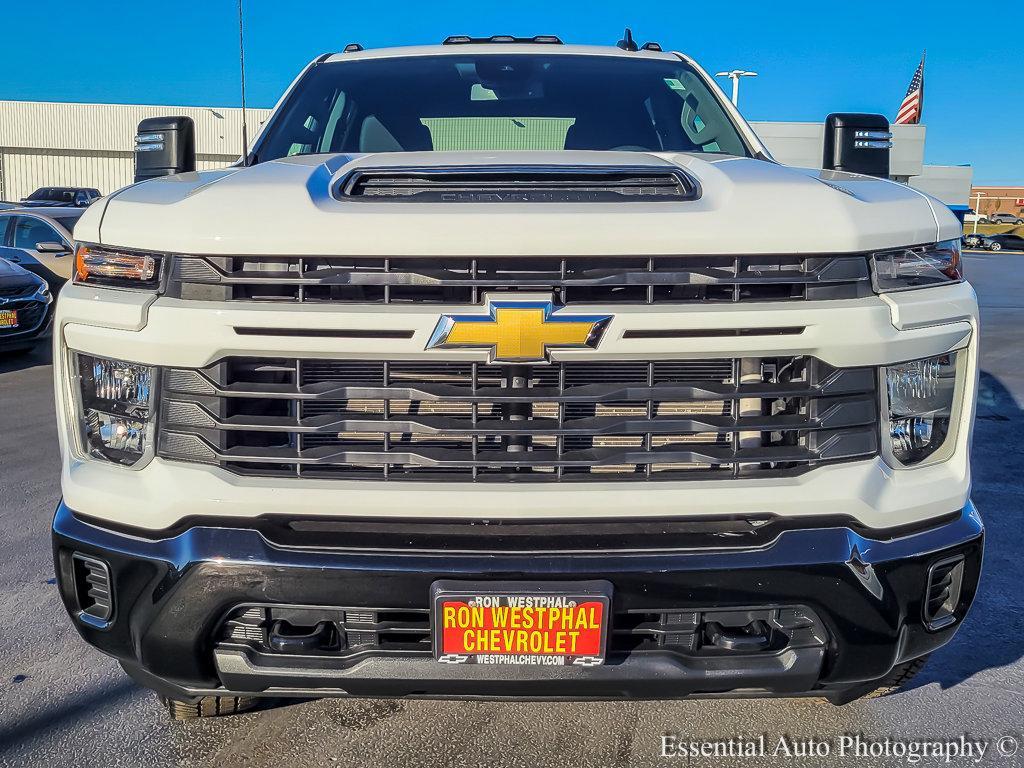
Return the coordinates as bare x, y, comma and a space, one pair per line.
627, 43
241, 64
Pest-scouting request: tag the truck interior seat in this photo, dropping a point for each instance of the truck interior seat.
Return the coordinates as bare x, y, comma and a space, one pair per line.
374, 136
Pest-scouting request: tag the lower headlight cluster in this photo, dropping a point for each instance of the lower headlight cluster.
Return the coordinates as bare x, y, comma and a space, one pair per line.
921, 401
116, 408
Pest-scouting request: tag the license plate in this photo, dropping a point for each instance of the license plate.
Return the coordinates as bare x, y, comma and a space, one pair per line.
521, 623
8, 318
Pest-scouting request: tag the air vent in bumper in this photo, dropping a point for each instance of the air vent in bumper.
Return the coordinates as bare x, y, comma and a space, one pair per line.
93, 587
942, 597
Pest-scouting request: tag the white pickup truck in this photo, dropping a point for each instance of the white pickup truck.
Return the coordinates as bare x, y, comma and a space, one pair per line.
507, 368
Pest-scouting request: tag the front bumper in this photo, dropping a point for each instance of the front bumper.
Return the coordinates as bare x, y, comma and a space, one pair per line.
23, 338
172, 593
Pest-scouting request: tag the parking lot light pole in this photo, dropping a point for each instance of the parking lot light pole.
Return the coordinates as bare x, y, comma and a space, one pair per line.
735, 76
977, 212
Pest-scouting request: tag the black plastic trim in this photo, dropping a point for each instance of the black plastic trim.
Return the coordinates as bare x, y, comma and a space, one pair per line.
697, 333
327, 333
640, 534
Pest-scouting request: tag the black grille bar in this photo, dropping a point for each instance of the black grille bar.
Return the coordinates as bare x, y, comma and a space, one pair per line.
415, 420
841, 382
440, 457
574, 280
844, 412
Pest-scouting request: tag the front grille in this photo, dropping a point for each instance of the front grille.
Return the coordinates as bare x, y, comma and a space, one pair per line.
620, 420
686, 631
574, 280
341, 634
342, 631
17, 291
30, 315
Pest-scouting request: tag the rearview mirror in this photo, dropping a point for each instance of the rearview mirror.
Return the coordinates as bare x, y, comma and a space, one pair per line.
52, 248
164, 146
857, 143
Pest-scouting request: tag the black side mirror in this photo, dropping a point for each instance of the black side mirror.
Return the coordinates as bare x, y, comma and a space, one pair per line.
857, 143
164, 146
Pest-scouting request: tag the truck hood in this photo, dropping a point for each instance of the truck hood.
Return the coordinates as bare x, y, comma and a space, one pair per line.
287, 207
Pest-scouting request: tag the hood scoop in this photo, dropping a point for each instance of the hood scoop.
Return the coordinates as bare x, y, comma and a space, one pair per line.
519, 184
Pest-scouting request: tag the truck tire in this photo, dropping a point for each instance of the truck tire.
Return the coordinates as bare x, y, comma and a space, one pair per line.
208, 706
901, 675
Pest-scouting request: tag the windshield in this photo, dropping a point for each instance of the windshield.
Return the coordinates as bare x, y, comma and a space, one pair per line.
67, 220
52, 194
492, 102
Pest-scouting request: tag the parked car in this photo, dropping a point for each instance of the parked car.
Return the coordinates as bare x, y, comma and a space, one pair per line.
972, 216
973, 240
79, 197
42, 240
25, 308
1004, 243
1005, 218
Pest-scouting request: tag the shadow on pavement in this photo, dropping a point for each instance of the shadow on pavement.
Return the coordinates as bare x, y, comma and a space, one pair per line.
68, 713
990, 637
41, 354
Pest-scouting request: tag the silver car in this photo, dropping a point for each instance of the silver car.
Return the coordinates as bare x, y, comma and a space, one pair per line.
40, 240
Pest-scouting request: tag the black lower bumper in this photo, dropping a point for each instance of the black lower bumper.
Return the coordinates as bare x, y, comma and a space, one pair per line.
861, 598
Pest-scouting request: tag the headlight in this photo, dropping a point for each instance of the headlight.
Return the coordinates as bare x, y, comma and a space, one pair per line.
918, 267
117, 268
921, 404
116, 408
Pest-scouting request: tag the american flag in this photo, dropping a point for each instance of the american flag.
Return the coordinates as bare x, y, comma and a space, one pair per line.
910, 109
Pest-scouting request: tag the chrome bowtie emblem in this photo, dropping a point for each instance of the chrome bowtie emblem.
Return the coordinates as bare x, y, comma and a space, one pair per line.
519, 330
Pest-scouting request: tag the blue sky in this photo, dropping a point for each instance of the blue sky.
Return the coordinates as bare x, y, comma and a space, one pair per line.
813, 58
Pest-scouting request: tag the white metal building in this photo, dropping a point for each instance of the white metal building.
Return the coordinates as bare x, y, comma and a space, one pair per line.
801, 144
91, 145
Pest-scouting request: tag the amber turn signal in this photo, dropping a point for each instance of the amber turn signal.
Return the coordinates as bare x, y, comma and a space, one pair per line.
108, 267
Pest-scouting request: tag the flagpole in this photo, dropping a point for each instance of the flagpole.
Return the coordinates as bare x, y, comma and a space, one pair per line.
241, 66
920, 111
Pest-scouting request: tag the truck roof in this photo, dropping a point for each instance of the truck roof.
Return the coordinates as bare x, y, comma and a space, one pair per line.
546, 49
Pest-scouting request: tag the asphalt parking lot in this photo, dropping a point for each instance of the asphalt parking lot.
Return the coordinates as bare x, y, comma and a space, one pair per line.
61, 703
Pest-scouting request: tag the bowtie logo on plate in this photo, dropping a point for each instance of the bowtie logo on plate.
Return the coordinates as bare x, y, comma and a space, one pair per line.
521, 330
